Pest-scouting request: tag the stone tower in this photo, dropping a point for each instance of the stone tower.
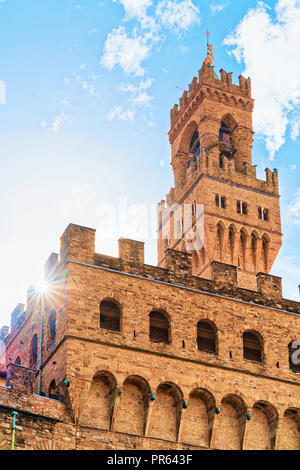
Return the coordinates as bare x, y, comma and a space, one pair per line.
211, 139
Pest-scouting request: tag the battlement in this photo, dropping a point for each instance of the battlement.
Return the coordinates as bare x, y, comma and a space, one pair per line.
204, 166
209, 86
178, 271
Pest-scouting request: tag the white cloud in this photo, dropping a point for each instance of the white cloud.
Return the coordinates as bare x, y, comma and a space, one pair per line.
177, 15
139, 95
55, 122
269, 47
295, 128
120, 115
125, 51
217, 8
293, 209
135, 8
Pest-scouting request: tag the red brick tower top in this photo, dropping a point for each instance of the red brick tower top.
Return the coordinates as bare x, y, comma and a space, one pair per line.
211, 139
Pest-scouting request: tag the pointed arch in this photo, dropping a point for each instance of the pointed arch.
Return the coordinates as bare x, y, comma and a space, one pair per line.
254, 249
187, 136
219, 244
232, 231
265, 246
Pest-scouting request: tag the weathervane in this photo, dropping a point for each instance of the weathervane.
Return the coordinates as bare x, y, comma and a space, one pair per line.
210, 55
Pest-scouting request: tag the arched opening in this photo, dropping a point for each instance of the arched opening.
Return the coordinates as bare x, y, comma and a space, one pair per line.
18, 361
254, 247
294, 356
198, 418
52, 326
225, 138
195, 145
206, 337
133, 406
53, 392
261, 429
252, 346
231, 235
289, 435
159, 328
242, 250
219, 241
110, 316
231, 424
98, 407
265, 253
166, 413
33, 351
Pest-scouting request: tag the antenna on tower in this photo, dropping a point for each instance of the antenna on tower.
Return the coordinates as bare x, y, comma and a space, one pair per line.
210, 55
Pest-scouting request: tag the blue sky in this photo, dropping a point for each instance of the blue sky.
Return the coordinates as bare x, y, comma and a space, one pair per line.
89, 86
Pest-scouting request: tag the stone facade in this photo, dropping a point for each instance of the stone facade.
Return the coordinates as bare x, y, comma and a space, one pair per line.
119, 354
219, 114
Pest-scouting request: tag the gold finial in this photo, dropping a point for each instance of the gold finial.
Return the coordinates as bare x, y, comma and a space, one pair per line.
210, 55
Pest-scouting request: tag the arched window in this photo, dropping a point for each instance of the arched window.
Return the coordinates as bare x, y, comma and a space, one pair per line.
52, 326
225, 137
252, 346
294, 356
53, 392
231, 243
195, 145
159, 328
110, 316
265, 253
18, 361
206, 337
33, 351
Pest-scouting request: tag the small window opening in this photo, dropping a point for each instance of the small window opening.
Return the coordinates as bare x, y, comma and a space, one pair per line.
159, 328
110, 316
206, 337
252, 347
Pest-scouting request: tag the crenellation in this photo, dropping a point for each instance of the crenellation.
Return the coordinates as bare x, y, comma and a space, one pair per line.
195, 353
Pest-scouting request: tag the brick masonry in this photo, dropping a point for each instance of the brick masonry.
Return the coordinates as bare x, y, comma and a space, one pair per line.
105, 389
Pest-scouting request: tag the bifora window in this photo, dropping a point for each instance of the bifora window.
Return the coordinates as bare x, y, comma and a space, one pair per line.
206, 337
252, 347
110, 316
159, 328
